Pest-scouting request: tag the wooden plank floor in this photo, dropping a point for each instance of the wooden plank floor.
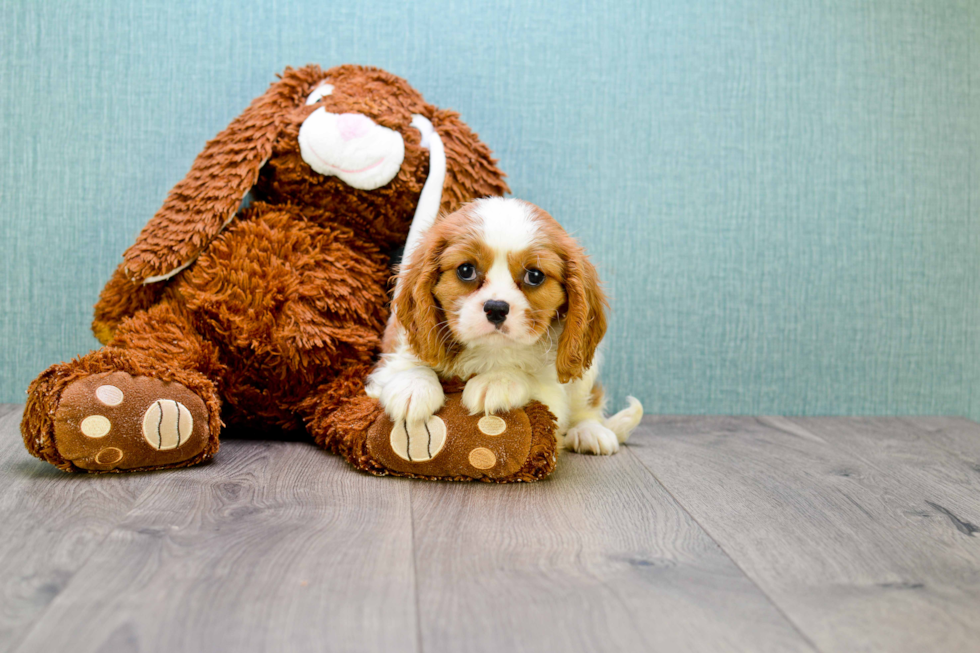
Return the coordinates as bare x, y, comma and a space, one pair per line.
705, 534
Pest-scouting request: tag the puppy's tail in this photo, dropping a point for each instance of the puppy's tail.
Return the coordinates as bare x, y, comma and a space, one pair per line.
623, 422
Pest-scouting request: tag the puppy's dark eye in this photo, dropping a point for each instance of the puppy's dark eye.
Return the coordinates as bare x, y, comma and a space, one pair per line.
534, 277
466, 272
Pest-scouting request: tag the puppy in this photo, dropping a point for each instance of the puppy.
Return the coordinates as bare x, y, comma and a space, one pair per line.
499, 294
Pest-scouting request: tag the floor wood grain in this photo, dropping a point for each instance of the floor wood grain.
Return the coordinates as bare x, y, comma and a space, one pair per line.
598, 558
861, 530
705, 534
276, 547
51, 525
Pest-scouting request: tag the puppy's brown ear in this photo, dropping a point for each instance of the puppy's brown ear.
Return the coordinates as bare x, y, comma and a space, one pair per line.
471, 170
415, 305
206, 199
585, 318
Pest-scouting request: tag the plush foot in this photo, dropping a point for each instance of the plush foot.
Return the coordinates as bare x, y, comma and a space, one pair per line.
114, 421
455, 445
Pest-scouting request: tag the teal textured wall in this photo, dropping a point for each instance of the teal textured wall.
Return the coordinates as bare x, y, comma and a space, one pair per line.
781, 196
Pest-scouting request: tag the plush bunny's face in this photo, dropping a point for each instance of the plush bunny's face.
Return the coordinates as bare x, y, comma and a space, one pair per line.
351, 146
354, 150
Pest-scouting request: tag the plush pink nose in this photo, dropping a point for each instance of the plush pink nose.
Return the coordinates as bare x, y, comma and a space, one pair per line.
353, 125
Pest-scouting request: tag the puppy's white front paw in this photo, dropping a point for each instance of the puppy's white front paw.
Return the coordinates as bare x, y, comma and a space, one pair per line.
495, 393
590, 436
413, 395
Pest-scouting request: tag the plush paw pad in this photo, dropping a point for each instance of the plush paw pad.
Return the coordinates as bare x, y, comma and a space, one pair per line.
95, 426
418, 441
491, 425
117, 421
482, 458
167, 424
109, 456
109, 395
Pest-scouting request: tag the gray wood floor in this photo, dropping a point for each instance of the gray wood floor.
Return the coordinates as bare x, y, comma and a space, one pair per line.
705, 534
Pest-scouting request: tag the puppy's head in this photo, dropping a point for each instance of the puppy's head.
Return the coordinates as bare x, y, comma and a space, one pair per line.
501, 272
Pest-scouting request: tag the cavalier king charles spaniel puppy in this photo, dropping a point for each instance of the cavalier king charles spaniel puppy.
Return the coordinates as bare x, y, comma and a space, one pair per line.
499, 294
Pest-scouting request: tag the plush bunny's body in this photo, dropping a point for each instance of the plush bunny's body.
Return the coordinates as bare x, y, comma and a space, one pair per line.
267, 312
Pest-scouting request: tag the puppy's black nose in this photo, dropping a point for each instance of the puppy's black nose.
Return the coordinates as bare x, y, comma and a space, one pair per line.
496, 311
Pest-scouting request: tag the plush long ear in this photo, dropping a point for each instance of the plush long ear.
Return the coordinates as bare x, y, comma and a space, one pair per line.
415, 306
471, 170
209, 196
585, 318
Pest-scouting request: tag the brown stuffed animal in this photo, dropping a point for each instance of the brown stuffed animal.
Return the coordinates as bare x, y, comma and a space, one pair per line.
269, 311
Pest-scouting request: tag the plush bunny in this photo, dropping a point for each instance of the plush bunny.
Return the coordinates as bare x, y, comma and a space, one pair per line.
257, 294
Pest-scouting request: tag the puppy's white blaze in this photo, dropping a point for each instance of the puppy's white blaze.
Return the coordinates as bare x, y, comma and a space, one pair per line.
507, 225
498, 275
